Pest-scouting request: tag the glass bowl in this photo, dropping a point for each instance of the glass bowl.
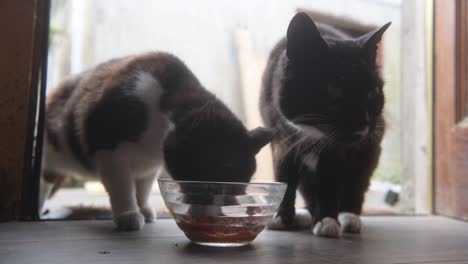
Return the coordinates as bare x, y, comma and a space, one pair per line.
223, 214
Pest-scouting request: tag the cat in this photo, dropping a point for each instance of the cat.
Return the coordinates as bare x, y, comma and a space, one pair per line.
126, 119
322, 92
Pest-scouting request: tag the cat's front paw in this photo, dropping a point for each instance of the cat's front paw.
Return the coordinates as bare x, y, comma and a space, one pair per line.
149, 213
278, 223
350, 223
130, 221
327, 227
302, 219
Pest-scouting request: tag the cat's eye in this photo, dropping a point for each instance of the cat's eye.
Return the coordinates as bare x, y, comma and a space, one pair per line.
334, 91
373, 93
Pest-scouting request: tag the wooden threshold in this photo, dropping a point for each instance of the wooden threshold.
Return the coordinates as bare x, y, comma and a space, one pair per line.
383, 240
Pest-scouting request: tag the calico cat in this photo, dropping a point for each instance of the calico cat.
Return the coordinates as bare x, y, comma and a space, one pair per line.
322, 92
126, 119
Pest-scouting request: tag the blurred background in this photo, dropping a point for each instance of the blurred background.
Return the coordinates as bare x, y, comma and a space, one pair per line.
226, 44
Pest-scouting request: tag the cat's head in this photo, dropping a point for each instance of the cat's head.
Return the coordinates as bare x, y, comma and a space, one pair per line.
218, 149
332, 86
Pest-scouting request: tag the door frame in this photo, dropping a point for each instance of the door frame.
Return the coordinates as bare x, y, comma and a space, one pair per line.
24, 26
450, 118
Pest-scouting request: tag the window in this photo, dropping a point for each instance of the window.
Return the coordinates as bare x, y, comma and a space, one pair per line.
226, 44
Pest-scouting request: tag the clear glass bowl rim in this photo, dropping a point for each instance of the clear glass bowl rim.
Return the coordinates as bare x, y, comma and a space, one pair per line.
256, 183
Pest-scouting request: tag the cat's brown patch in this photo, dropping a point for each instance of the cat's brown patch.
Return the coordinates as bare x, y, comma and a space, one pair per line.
124, 119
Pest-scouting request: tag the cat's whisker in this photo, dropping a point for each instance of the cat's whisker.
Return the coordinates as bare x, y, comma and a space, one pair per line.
287, 138
306, 145
316, 147
314, 115
292, 146
309, 119
322, 146
325, 127
379, 132
312, 121
328, 141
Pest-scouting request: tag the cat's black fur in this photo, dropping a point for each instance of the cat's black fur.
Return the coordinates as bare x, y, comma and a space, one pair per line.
321, 90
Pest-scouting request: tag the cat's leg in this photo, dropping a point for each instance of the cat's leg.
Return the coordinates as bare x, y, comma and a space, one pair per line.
308, 191
144, 185
360, 171
324, 224
329, 172
116, 178
286, 171
350, 206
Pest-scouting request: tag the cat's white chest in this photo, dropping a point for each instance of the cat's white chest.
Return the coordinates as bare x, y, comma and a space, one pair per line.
310, 160
145, 156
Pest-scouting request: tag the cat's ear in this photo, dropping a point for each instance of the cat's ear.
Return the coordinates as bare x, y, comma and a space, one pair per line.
371, 40
260, 136
303, 39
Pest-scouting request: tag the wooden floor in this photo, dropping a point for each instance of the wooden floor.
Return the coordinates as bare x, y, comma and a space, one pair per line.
384, 240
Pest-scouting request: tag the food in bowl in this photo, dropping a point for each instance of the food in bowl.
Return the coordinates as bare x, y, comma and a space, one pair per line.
221, 213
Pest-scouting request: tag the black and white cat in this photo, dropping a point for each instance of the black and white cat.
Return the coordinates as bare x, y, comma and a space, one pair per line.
322, 92
124, 119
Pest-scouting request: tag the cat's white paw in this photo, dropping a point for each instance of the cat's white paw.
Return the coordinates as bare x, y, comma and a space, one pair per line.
327, 227
130, 221
350, 223
149, 213
276, 223
302, 220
